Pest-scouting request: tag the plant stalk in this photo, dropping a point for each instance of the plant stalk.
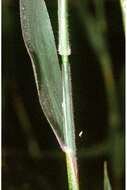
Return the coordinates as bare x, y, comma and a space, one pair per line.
71, 163
68, 120
63, 47
70, 148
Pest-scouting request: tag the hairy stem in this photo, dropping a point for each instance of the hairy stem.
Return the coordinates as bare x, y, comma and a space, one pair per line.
70, 149
68, 120
63, 47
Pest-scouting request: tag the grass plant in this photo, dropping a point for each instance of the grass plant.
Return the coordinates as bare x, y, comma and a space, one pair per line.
54, 82
54, 90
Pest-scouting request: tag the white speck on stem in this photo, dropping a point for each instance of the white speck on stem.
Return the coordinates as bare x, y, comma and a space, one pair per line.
80, 134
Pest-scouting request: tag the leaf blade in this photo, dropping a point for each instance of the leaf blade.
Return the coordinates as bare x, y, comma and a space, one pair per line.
40, 44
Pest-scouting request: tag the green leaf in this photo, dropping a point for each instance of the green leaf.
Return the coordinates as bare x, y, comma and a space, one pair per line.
107, 185
40, 44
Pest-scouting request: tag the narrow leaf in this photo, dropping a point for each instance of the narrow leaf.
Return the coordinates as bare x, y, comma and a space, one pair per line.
40, 44
107, 185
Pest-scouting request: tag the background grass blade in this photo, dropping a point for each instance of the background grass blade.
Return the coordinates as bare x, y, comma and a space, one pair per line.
107, 185
123, 9
40, 43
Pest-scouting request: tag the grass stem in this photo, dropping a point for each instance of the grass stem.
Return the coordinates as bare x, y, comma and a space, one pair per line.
63, 47
70, 149
71, 163
68, 120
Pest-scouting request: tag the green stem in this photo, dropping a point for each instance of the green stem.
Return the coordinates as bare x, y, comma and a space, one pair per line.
68, 105
63, 47
72, 171
70, 150
68, 120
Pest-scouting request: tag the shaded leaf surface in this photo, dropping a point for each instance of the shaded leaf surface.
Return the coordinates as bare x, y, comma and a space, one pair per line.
40, 43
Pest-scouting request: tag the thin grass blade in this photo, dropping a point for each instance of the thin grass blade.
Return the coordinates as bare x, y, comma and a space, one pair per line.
107, 185
123, 4
40, 44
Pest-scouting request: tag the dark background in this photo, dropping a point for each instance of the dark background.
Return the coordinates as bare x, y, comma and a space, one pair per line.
31, 156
